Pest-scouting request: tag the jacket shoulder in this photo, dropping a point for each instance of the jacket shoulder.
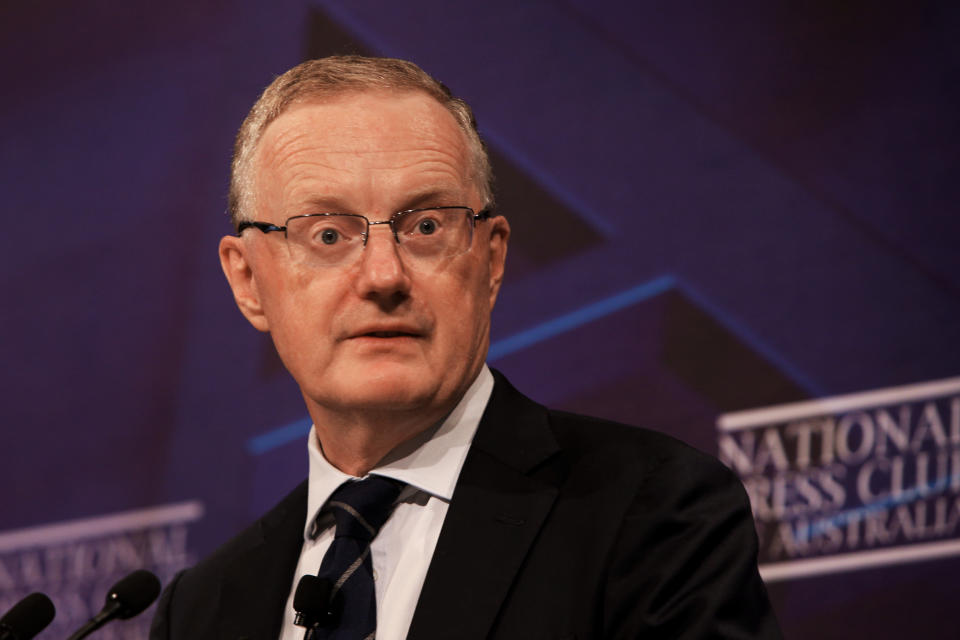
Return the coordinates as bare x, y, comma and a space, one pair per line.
636, 447
249, 572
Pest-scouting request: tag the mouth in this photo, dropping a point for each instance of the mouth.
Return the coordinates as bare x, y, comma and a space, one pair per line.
391, 331
388, 334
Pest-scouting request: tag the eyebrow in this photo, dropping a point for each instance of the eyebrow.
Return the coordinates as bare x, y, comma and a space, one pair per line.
431, 196
325, 205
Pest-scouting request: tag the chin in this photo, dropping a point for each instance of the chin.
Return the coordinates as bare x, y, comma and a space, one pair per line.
389, 386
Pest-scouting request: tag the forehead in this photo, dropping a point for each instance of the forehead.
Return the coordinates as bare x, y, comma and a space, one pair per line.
385, 140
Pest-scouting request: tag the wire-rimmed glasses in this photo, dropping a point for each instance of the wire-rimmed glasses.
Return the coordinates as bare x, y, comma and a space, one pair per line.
331, 239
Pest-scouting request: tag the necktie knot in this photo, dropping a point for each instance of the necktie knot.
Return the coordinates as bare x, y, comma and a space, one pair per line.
361, 507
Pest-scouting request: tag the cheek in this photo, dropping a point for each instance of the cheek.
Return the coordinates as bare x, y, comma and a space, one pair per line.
299, 311
295, 341
297, 292
463, 308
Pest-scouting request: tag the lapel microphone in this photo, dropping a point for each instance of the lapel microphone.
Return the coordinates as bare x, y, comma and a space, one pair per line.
27, 618
311, 601
127, 598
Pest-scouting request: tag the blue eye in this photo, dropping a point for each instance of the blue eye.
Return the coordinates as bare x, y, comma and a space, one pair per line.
427, 226
329, 236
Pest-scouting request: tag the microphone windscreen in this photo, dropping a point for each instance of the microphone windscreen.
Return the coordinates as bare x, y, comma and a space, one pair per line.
134, 593
312, 596
29, 617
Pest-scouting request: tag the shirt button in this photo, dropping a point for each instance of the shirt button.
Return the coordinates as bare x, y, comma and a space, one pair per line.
375, 576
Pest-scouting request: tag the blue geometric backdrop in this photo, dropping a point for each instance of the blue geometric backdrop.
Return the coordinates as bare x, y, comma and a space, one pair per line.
715, 207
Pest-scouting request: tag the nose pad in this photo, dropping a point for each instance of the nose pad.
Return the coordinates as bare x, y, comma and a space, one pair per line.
389, 229
381, 268
371, 225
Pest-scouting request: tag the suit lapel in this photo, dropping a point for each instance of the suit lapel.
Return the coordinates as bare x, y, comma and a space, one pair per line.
496, 512
254, 589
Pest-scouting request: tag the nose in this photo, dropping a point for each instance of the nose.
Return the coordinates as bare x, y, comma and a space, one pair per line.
381, 275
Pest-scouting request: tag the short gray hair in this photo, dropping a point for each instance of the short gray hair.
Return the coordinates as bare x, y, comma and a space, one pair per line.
336, 75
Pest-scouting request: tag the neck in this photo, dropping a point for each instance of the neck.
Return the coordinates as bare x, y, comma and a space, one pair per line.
355, 443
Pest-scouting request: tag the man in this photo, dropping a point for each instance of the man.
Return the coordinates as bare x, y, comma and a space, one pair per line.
506, 520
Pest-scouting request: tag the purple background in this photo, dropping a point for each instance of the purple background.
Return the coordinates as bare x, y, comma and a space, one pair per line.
714, 208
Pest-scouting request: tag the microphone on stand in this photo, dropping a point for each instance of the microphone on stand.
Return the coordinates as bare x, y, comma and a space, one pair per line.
27, 618
311, 601
127, 598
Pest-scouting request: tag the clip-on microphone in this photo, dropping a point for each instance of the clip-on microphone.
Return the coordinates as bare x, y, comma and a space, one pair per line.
311, 601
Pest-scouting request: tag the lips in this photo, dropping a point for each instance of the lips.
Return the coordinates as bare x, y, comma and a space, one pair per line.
388, 331
389, 334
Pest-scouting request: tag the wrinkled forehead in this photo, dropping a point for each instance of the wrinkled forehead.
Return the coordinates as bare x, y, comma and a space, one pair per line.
365, 122
392, 140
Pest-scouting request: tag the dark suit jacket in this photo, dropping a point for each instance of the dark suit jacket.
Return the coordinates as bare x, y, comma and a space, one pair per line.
561, 526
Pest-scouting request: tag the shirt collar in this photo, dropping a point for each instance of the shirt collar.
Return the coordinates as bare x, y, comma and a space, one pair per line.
431, 461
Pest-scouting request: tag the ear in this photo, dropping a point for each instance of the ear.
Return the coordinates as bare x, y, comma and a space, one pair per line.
499, 235
235, 260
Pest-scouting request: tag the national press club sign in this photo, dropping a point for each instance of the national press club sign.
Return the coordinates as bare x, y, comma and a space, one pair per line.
76, 562
851, 481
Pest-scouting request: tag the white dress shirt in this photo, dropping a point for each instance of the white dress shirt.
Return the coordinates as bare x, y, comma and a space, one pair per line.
430, 465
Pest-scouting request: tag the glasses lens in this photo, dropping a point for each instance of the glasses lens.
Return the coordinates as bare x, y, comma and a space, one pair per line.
325, 238
429, 233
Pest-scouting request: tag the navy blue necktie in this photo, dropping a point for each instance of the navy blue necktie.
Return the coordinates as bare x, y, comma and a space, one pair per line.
359, 508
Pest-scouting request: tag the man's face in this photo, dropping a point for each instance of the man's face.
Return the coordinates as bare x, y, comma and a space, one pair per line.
382, 333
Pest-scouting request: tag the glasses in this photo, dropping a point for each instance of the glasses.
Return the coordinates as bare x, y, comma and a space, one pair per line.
331, 239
